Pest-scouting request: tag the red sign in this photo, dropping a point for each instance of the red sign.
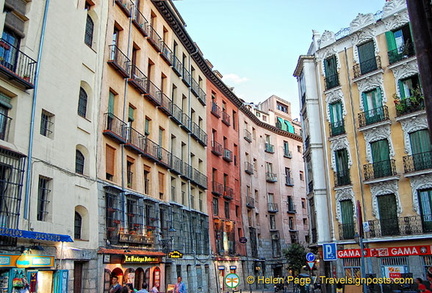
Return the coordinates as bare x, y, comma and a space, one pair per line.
386, 251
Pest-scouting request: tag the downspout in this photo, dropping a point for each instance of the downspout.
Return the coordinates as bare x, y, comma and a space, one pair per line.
27, 193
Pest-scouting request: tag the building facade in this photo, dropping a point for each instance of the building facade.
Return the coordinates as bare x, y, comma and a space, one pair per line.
375, 144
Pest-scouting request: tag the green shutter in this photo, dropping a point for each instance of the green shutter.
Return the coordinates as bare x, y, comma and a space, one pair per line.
391, 43
5, 101
111, 103
131, 113
365, 102
332, 120
380, 151
290, 126
420, 142
425, 200
378, 98
401, 89
283, 126
347, 217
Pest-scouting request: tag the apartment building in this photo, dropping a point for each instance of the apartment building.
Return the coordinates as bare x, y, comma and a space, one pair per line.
152, 169
273, 185
363, 114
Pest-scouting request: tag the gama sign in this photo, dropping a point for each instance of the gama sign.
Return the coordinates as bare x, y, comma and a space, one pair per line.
386, 251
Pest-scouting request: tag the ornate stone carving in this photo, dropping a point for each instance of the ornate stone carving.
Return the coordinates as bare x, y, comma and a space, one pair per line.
370, 83
392, 7
410, 125
403, 71
362, 37
382, 188
327, 38
344, 194
419, 182
396, 21
336, 144
332, 97
361, 21
374, 134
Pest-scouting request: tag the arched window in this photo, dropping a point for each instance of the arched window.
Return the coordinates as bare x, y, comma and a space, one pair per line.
77, 226
82, 103
79, 162
88, 38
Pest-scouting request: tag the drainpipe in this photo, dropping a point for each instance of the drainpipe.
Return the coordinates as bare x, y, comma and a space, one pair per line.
27, 193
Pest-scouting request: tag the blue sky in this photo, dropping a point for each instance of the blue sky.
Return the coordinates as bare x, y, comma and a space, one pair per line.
255, 44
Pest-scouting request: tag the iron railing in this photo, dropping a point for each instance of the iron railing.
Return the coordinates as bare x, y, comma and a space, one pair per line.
373, 116
138, 79
342, 178
289, 181
154, 38
226, 118
249, 168
186, 76
367, 66
166, 52
217, 148
337, 127
379, 169
269, 148
250, 202
217, 188
228, 192
227, 155
215, 110
403, 52
271, 177
401, 226
195, 87
409, 105
202, 97
199, 178
166, 104
346, 231
140, 22
125, 6
332, 81
153, 93
247, 135
177, 66
417, 162
5, 122
272, 207
199, 133
115, 127
119, 60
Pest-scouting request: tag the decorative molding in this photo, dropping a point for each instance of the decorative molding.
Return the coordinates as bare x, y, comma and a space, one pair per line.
325, 53
344, 194
327, 38
377, 133
370, 83
419, 182
404, 70
368, 34
383, 188
361, 21
398, 20
336, 144
332, 97
415, 123
392, 7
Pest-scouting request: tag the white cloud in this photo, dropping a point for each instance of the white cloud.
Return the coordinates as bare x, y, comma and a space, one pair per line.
234, 78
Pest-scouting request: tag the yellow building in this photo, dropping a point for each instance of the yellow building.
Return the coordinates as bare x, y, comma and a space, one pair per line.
360, 87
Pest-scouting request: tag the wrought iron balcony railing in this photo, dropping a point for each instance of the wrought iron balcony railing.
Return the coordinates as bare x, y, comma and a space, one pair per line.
337, 127
140, 22
228, 192
373, 116
409, 105
199, 134
166, 52
154, 38
138, 79
287, 154
177, 66
289, 181
187, 122
166, 104
332, 81
417, 162
227, 155
195, 87
342, 178
125, 6
199, 178
379, 169
186, 76
115, 127
271, 177
226, 119
401, 226
269, 148
216, 110
202, 97
153, 93
247, 136
17, 66
217, 188
177, 114
272, 207
250, 202
118, 60
367, 66
217, 148
401, 53
249, 168
346, 231
291, 208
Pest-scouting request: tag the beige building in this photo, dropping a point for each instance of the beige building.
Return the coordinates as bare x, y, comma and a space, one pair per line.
361, 87
273, 184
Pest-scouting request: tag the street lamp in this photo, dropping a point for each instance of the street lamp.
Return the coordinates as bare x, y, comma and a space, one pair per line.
359, 240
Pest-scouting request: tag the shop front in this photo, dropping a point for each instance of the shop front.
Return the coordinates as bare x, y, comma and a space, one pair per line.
133, 267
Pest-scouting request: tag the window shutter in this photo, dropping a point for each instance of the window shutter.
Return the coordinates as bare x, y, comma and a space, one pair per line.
131, 113
365, 102
401, 89
161, 182
391, 43
111, 103
378, 99
110, 156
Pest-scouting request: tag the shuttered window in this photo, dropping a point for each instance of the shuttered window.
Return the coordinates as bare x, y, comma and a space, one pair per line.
110, 157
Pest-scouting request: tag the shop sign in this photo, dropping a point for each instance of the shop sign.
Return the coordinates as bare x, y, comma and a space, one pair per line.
141, 259
394, 272
29, 261
387, 251
175, 254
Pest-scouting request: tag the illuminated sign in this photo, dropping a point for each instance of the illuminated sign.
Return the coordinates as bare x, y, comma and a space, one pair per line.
386, 251
175, 254
30, 261
140, 259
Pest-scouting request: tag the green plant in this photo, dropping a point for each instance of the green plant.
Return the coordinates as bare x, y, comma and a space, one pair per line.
295, 255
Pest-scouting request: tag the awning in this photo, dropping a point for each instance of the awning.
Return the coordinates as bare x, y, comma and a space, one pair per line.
35, 235
130, 251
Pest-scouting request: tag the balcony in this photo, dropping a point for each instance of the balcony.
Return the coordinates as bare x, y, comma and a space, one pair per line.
217, 148
140, 23
118, 60
226, 119
199, 134
177, 114
337, 128
176, 164
409, 105
367, 66
186, 77
287, 154
199, 178
227, 155
289, 181
346, 231
16, 66
269, 148
272, 207
250, 202
136, 141
195, 87
154, 38
138, 80
177, 66
249, 168
114, 127
291, 208
215, 110
417, 162
202, 97
373, 116
186, 122
342, 178
247, 136
4, 126
379, 169
217, 188
166, 53
125, 6
271, 177
186, 170
165, 104
153, 94
401, 226
401, 53
332, 81
228, 193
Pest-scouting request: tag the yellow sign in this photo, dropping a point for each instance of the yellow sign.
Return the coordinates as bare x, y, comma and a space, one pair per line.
140, 259
175, 254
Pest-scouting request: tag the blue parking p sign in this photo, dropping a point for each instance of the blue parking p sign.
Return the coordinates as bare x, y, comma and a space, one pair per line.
329, 251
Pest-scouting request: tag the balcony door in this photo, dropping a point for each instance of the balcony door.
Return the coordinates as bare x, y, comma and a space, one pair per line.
9, 50
342, 171
388, 215
425, 200
336, 115
421, 149
367, 59
372, 105
347, 217
381, 158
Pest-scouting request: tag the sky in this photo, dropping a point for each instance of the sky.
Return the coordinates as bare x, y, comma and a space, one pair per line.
255, 44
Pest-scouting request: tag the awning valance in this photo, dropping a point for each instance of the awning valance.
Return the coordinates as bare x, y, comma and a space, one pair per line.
40, 236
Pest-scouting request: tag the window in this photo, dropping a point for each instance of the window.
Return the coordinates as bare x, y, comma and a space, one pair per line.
109, 163
425, 202
373, 106
77, 226
82, 103
342, 169
286, 149
8, 55
79, 162
301, 175
409, 87
215, 206
299, 149
88, 37
47, 124
43, 198
336, 116
146, 179
147, 126
282, 107
400, 44
227, 210
366, 52
272, 220
381, 158
129, 173
387, 211
421, 149
347, 217
330, 69
4, 119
